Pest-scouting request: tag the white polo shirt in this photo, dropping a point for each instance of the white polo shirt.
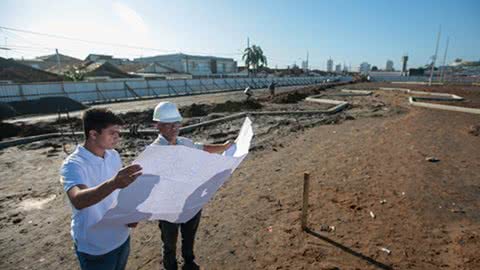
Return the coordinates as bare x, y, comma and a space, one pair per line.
83, 167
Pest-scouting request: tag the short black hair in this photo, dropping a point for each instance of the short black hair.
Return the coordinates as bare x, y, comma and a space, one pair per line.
98, 119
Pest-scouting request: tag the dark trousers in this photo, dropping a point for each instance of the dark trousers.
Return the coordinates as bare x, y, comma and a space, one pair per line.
113, 260
169, 237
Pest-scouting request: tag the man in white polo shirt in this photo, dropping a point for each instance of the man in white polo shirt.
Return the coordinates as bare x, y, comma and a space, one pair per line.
168, 120
91, 177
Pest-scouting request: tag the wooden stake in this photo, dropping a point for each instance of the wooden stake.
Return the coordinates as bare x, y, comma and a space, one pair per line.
306, 184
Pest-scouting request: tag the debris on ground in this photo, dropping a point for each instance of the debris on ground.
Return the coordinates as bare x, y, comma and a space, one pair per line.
432, 159
474, 130
327, 228
386, 250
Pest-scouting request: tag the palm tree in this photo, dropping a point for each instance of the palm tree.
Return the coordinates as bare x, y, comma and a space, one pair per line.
254, 58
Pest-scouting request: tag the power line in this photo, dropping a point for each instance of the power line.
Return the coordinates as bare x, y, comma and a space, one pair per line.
14, 46
81, 40
16, 36
10, 30
101, 42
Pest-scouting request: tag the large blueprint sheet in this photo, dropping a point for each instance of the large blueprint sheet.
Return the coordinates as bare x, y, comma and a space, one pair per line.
177, 182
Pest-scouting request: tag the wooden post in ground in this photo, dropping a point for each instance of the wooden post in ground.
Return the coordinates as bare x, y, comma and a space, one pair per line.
306, 184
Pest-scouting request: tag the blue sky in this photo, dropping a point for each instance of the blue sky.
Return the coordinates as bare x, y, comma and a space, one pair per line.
348, 31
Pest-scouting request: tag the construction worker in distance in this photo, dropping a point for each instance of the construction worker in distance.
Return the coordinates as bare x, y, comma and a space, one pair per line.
168, 122
248, 92
271, 89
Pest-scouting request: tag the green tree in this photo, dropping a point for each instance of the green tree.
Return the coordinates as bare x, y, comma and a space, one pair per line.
254, 58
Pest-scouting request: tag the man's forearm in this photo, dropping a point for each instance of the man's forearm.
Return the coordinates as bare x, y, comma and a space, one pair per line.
215, 148
85, 197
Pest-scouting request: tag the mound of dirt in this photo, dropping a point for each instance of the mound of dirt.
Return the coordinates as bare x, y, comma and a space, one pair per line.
74, 122
142, 118
288, 98
6, 111
299, 95
47, 105
237, 106
8, 130
36, 129
195, 110
25, 130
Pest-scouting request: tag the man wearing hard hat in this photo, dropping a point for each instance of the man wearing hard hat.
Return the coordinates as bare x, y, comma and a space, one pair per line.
168, 120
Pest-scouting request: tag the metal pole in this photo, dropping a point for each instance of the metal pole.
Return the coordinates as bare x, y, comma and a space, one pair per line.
306, 184
307, 64
442, 75
6, 50
434, 57
58, 61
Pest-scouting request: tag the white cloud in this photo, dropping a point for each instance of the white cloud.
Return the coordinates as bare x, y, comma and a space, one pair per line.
130, 17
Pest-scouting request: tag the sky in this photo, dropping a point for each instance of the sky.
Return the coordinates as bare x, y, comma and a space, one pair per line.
348, 31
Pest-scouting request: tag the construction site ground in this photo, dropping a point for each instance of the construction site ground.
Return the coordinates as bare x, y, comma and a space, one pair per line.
392, 187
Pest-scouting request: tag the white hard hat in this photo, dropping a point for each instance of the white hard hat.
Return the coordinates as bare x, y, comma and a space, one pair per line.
166, 112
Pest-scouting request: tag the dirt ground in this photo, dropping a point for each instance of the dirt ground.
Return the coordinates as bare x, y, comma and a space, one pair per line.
371, 160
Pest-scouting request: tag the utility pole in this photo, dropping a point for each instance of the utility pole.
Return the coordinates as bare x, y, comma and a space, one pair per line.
58, 61
307, 63
442, 75
435, 56
6, 51
248, 66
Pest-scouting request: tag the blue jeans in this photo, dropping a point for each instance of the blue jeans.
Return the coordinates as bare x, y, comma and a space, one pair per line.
113, 260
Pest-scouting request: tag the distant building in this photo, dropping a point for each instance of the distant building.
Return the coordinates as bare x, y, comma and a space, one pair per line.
463, 68
330, 65
389, 66
34, 63
416, 72
49, 62
12, 71
364, 68
338, 68
102, 58
384, 76
193, 64
97, 57
104, 70
305, 66
404, 65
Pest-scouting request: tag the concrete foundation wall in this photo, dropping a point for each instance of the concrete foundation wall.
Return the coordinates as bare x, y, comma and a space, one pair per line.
119, 90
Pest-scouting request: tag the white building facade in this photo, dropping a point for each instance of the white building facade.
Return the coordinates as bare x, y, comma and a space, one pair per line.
193, 64
364, 68
338, 68
389, 66
330, 65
